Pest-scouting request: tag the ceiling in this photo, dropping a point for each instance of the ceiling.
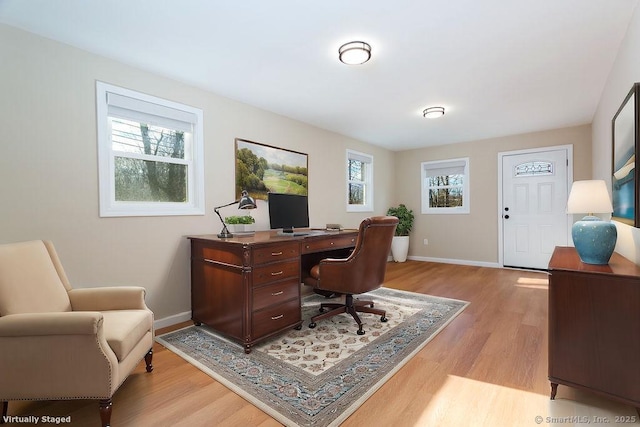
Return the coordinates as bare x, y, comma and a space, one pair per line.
499, 67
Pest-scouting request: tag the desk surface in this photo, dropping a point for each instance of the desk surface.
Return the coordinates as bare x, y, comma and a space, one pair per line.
272, 236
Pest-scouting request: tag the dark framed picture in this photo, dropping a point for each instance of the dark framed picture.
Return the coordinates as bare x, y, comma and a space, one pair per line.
261, 169
625, 142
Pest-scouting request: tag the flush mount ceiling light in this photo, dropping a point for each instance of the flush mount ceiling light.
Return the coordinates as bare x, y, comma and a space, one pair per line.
433, 112
354, 53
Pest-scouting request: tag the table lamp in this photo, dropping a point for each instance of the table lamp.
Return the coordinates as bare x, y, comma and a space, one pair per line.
593, 237
245, 202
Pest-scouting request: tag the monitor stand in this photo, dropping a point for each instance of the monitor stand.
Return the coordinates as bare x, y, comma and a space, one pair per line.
292, 233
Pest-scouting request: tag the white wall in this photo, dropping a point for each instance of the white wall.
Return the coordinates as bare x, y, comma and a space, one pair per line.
625, 72
49, 176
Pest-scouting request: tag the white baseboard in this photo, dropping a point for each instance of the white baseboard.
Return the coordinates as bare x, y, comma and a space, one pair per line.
456, 261
172, 320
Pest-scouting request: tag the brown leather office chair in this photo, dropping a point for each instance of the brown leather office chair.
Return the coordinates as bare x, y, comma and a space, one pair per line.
361, 272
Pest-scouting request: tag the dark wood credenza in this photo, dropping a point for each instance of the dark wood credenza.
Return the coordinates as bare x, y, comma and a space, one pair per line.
248, 288
594, 326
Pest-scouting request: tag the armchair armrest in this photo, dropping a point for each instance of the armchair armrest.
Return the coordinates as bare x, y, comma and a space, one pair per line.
109, 298
43, 324
56, 356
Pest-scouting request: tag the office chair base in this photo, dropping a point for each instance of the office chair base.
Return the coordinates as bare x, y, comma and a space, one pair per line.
351, 306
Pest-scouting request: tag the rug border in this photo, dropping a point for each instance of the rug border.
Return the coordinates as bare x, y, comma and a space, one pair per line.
222, 380
349, 410
365, 396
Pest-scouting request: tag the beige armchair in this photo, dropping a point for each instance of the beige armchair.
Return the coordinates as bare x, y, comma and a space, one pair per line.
61, 343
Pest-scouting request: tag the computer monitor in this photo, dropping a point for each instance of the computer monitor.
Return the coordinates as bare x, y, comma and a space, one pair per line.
288, 211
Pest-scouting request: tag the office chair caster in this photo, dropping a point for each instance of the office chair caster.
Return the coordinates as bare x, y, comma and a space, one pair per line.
312, 325
383, 319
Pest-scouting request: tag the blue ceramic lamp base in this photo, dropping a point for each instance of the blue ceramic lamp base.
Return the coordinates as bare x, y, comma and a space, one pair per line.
594, 239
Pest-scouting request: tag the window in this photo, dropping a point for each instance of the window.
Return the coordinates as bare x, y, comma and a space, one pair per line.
359, 182
150, 155
445, 186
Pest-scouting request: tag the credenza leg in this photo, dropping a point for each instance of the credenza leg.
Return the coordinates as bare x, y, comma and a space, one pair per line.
554, 390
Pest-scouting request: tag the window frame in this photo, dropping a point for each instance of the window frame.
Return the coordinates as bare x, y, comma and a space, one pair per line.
466, 195
109, 207
367, 182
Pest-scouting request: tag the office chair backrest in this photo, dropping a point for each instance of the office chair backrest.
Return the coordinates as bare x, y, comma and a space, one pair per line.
365, 268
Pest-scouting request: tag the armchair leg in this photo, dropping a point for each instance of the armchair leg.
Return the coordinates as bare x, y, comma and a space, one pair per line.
5, 408
147, 359
105, 412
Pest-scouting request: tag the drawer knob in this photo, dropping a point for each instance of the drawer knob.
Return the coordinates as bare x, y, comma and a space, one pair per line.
276, 253
277, 273
275, 294
277, 317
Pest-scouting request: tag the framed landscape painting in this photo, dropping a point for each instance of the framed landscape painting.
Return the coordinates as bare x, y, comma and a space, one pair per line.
261, 169
624, 180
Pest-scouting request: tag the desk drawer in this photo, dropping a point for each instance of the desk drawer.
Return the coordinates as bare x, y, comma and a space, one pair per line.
311, 245
275, 318
276, 252
276, 271
275, 293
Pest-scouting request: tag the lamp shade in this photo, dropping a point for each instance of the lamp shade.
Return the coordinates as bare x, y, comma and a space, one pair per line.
593, 238
590, 196
246, 201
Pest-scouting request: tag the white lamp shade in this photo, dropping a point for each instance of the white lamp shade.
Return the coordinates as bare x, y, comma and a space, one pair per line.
589, 196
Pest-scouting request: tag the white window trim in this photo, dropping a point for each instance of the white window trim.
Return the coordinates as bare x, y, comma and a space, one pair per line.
368, 182
466, 196
109, 207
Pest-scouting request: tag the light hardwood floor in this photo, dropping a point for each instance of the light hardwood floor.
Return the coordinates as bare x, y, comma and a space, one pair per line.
488, 367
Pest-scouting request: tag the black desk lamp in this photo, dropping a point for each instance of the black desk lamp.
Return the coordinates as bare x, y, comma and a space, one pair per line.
245, 202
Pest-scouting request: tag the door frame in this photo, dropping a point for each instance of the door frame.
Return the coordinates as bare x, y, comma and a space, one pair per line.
501, 155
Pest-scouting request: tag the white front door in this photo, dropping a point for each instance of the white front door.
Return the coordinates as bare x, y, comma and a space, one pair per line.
534, 204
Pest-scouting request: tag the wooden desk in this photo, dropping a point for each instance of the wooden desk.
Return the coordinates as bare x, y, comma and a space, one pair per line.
594, 326
248, 288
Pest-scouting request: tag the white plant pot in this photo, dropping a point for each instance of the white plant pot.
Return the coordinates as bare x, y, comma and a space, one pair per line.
241, 228
400, 248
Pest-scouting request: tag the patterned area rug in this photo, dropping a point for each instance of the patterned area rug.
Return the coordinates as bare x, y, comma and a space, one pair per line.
318, 377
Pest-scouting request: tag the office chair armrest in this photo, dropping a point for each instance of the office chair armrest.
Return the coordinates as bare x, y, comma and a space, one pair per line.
48, 324
108, 298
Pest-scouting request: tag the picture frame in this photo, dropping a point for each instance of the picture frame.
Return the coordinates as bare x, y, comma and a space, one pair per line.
625, 145
262, 168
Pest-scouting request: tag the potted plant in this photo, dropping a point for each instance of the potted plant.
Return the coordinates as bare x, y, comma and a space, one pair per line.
400, 243
240, 224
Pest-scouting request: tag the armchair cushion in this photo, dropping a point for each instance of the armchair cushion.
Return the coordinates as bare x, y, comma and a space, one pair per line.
29, 281
123, 329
